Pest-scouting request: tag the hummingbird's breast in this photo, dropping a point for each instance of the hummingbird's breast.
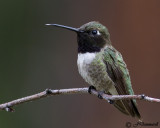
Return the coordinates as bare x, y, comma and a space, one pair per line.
93, 70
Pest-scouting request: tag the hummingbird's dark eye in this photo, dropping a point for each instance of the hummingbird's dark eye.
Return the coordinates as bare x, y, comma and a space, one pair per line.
94, 32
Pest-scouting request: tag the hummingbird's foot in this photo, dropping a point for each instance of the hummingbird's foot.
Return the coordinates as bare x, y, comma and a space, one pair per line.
90, 88
100, 94
111, 101
143, 96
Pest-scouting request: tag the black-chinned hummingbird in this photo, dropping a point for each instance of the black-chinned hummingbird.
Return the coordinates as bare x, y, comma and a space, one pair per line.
102, 66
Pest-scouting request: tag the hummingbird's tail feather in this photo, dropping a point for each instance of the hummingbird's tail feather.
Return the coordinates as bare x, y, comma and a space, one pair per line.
120, 106
128, 107
137, 114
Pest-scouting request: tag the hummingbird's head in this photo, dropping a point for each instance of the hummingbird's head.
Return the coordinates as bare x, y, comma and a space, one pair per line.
91, 37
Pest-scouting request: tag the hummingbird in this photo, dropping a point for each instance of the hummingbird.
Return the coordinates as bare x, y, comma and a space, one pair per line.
102, 66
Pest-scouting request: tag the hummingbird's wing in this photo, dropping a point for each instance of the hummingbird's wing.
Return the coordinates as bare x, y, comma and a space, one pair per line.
117, 71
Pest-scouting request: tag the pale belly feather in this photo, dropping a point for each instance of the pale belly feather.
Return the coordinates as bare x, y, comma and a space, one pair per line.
93, 71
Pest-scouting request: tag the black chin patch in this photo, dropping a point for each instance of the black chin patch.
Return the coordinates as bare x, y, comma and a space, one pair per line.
85, 46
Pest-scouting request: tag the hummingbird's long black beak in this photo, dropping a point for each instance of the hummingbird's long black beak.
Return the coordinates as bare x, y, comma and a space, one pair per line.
66, 27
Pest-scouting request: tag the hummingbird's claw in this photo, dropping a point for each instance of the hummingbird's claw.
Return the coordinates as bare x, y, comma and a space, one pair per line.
111, 101
100, 94
90, 88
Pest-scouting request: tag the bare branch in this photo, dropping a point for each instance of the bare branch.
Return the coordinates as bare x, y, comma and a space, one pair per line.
48, 92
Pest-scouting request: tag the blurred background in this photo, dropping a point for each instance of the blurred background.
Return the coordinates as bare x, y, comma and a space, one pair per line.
34, 57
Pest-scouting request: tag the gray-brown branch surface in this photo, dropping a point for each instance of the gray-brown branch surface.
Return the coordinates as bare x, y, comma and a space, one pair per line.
48, 92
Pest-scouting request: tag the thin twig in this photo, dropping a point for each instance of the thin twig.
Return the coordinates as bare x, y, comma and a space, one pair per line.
48, 92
